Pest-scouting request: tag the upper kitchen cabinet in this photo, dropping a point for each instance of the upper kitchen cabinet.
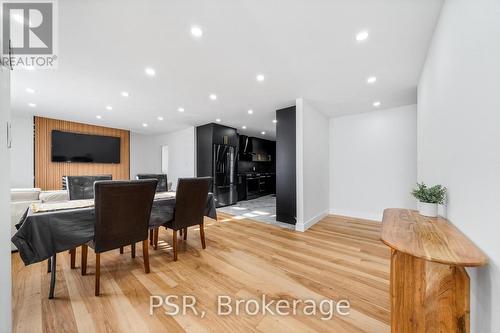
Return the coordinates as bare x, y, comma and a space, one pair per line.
257, 149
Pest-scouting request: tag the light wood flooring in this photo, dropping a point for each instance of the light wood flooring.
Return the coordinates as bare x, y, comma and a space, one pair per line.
338, 258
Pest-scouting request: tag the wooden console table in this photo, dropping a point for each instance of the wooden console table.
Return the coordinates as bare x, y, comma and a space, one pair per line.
429, 285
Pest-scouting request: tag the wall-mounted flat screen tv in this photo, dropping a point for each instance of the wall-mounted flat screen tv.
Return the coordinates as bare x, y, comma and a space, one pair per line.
84, 148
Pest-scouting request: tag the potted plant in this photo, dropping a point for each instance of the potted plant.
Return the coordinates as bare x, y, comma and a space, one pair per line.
429, 198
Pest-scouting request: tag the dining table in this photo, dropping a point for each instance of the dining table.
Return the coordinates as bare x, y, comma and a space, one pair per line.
46, 229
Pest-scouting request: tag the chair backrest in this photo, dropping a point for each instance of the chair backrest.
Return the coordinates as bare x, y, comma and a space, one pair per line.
122, 212
161, 177
190, 201
82, 187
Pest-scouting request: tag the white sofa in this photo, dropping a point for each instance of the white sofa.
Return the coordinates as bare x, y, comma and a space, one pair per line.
21, 198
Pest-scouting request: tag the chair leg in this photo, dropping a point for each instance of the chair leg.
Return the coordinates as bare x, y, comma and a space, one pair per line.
155, 238
84, 259
202, 235
145, 255
185, 233
72, 255
121, 249
174, 244
97, 273
151, 236
133, 250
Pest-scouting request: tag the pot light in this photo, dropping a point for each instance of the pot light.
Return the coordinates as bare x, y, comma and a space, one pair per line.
243, 127
109, 107
196, 31
98, 117
213, 97
160, 118
371, 80
144, 125
250, 111
30, 90
275, 121
362, 36
260, 77
125, 94
263, 133
377, 104
180, 109
218, 120
150, 71
33, 105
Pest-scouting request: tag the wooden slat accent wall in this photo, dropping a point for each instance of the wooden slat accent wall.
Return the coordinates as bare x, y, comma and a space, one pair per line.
48, 175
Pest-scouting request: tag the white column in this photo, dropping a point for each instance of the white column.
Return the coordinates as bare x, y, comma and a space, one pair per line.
5, 266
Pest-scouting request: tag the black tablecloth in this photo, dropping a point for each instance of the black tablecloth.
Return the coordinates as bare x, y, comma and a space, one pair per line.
41, 235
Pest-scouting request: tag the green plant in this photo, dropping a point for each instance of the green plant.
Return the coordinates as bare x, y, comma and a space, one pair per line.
435, 194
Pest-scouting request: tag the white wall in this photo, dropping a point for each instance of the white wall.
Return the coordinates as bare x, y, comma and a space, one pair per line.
21, 154
145, 154
5, 266
459, 136
312, 164
373, 162
181, 153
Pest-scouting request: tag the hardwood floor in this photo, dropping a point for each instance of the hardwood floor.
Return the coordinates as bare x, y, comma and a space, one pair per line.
338, 258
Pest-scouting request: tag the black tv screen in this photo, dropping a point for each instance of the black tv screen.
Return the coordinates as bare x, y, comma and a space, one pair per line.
84, 148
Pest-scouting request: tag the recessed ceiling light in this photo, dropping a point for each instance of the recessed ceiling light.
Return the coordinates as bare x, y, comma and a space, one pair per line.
160, 118
213, 97
275, 121
109, 107
33, 105
144, 125
263, 133
180, 109
98, 117
150, 71
377, 104
362, 36
30, 90
260, 77
250, 111
371, 80
218, 120
244, 127
196, 31
125, 94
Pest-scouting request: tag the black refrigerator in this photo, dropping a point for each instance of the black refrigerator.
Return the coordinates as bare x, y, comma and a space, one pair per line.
224, 175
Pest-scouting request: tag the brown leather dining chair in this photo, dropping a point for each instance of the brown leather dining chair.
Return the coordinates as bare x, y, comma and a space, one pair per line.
190, 204
122, 212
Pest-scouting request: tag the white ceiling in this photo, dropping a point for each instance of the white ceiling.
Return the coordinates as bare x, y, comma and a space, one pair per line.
305, 48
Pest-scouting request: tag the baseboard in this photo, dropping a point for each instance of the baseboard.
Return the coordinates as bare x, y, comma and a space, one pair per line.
303, 226
359, 215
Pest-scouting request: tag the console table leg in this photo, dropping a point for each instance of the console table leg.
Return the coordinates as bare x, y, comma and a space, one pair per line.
428, 297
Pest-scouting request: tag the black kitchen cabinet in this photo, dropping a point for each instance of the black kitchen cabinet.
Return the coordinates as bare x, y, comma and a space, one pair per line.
286, 189
216, 147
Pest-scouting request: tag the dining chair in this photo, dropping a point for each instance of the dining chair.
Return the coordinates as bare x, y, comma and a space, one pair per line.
79, 188
122, 212
82, 187
190, 204
161, 177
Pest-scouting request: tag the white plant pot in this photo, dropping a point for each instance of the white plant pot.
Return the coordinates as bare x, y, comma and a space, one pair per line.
428, 209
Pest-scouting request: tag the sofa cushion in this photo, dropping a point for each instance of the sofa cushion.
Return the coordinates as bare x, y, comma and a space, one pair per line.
54, 196
24, 194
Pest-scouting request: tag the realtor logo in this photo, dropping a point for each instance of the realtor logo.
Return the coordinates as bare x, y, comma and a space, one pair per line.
28, 34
